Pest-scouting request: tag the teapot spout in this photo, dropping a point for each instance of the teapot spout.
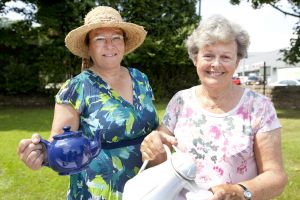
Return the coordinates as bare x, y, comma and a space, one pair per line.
95, 144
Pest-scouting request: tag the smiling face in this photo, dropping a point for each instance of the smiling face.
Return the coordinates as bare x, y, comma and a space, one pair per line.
216, 64
106, 47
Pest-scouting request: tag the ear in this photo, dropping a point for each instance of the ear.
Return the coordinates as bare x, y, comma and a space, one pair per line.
195, 59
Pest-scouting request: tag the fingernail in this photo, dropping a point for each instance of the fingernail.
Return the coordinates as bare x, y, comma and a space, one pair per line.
35, 140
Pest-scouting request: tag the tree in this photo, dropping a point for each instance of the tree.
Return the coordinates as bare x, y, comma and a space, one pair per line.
19, 72
291, 54
44, 49
162, 57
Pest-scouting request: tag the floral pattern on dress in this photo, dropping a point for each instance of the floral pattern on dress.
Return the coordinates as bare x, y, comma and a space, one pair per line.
220, 144
102, 109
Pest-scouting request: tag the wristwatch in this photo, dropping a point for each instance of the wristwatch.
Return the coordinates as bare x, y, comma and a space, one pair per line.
247, 193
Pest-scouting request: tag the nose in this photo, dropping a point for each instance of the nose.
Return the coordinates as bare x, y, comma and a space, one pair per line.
108, 43
216, 62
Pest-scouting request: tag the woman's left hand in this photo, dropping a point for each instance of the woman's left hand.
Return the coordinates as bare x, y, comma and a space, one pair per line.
227, 192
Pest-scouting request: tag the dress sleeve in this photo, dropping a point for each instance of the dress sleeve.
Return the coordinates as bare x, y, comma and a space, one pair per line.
148, 87
143, 83
173, 111
267, 116
71, 93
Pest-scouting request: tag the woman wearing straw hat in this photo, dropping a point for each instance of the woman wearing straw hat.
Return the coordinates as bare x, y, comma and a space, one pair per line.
104, 96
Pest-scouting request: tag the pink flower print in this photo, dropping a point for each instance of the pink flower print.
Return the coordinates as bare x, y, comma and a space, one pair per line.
219, 170
225, 142
215, 130
224, 148
183, 148
242, 168
199, 166
243, 111
270, 119
187, 113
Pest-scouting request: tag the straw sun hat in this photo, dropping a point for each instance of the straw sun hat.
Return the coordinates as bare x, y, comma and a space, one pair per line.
103, 16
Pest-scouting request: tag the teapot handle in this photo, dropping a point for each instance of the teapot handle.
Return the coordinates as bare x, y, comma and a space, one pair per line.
145, 163
46, 143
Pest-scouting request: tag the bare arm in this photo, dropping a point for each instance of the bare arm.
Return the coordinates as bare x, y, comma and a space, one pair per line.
64, 115
271, 179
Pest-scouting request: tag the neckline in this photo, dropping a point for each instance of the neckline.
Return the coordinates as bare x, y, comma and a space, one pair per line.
218, 114
111, 90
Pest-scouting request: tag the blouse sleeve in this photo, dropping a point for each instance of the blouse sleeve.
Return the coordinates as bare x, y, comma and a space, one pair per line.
71, 93
267, 116
173, 111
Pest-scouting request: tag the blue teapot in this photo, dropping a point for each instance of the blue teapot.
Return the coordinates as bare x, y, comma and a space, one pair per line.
71, 152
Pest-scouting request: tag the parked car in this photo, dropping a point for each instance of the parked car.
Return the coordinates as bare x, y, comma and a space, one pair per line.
287, 82
236, 80
253, 80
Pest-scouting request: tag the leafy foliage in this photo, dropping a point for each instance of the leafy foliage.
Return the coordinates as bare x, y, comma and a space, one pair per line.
19, 72
38, 53
163, 56
291, 54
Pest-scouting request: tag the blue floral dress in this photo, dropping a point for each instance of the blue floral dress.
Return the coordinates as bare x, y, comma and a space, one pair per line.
122, 126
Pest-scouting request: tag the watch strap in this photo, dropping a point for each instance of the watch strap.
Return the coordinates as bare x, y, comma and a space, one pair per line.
247, 193
244, 188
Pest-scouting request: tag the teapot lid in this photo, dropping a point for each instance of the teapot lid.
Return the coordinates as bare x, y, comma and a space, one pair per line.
67, 133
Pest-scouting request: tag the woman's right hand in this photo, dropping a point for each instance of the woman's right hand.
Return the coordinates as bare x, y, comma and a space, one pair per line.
32, 152
152, 147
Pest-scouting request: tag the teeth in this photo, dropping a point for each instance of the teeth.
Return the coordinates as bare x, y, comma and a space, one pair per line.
110, 55
215, 74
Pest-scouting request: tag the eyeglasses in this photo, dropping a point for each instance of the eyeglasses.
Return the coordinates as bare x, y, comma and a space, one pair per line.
114, 39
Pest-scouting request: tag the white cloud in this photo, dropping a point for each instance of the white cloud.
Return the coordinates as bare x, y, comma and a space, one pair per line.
269, 29
14, 15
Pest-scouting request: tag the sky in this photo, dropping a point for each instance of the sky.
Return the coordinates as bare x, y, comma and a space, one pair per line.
269, 29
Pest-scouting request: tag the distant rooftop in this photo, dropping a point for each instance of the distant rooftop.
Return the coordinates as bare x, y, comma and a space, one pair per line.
256, 60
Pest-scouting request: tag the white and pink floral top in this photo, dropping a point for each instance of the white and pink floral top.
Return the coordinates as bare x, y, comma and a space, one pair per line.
221, 144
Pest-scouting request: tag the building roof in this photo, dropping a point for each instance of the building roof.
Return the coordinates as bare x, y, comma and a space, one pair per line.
256, 60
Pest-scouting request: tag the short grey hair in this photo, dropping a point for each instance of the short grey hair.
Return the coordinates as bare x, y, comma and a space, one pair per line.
217, 29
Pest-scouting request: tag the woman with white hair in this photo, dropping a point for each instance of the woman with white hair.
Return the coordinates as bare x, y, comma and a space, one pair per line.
105, 97
231, 132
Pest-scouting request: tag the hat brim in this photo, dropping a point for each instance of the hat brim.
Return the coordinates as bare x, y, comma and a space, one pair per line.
75, 39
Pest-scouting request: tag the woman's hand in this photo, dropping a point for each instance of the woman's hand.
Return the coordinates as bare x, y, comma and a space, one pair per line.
32, 152
152, 147
227, 192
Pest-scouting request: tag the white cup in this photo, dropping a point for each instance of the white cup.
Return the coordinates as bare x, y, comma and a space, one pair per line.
199, 195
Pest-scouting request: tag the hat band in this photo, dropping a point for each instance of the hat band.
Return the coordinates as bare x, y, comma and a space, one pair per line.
102, 19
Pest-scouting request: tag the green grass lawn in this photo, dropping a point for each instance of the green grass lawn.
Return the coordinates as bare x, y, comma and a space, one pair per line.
19, 182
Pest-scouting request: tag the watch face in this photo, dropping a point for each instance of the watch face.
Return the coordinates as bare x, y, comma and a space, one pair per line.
247, 194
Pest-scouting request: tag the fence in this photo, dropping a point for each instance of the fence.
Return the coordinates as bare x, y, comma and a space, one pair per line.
282, 97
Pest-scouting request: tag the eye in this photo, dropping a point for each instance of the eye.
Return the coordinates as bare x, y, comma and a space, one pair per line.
100, 38
208, 56
226, 58
117, 38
